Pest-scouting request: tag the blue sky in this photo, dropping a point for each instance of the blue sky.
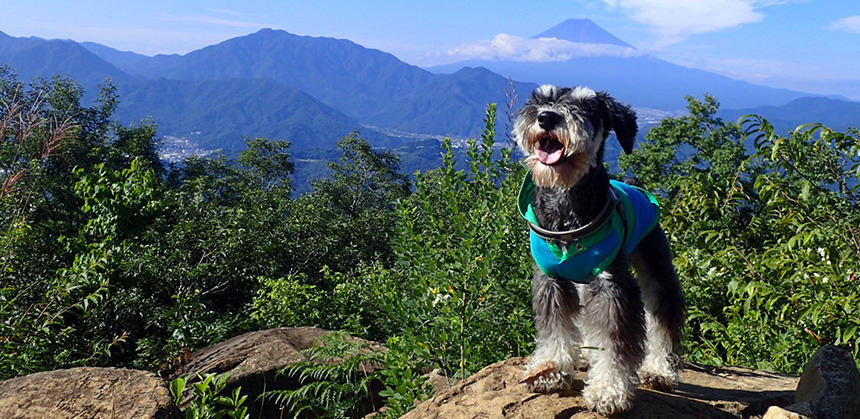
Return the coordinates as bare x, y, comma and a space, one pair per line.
812, 46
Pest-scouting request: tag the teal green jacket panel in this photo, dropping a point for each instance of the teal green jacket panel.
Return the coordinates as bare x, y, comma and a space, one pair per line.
584, 258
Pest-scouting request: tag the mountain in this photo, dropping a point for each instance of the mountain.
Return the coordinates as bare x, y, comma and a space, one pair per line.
35, 57
11, 44
221, 113
834, 113
369, 85
581, 30
216, 114
631, 77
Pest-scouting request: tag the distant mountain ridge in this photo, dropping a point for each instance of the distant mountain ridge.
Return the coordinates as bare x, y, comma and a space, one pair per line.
121, 59
36, 57
640, 80
369, 85
355, 86
313, 90
834, 113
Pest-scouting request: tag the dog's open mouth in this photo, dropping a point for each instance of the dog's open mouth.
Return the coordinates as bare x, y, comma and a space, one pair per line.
550, 149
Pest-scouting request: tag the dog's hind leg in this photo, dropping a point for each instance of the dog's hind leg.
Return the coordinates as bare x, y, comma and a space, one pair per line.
664, 308
613, 321
555, 303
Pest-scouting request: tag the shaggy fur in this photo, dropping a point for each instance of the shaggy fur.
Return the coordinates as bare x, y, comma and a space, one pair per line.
625, 330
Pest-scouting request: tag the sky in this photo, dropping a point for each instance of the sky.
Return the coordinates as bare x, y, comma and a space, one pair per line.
806, 45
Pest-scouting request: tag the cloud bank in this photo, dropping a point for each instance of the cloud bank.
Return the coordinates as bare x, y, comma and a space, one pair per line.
514, 48
675, 20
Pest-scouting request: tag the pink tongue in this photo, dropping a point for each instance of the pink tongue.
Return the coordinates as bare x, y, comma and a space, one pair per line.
551, 156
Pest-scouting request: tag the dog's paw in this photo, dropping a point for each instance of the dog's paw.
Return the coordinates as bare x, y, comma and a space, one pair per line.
660, 373
545, 378
657, 382
550, 382
608, 399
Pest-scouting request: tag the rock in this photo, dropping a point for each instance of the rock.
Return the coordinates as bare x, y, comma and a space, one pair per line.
804, 409
253, 359
830, 384
495, 392
776, 412
88, 393
438, 380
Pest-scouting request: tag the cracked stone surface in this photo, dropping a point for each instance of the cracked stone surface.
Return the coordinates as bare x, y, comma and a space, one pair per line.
87, 393
704, 392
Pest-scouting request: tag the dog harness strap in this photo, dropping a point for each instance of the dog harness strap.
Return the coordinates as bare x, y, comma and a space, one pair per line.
633, 213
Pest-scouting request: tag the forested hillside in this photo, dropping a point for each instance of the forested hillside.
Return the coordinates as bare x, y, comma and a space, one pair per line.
109, 258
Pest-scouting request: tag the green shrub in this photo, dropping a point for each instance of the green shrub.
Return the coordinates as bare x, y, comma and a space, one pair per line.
765, 233
289, 302
207, 401
335, 381
460, 286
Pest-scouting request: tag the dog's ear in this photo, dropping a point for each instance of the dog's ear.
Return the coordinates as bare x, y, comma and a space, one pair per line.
621, 119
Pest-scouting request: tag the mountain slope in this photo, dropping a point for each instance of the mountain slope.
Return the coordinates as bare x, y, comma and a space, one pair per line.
581, 30
370, 86
835, 113
33, 57
338, 72
452, 104
220, 113
10, 44
120, 59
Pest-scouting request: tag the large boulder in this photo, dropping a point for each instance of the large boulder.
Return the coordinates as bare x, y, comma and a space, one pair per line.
252, 361
496, 392
87, 393
829, 386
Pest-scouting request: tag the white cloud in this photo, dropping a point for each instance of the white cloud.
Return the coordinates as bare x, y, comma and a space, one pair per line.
224, 11
674, 20
515, 48
847, 24
219, 21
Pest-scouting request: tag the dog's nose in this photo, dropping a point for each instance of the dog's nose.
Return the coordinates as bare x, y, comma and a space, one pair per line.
548, 119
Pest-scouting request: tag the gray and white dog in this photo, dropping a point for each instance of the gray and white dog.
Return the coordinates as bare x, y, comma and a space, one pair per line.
622, 328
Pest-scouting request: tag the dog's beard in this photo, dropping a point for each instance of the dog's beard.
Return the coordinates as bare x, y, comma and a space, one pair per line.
577, 156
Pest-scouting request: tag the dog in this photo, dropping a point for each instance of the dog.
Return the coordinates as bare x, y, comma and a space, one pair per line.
593, 313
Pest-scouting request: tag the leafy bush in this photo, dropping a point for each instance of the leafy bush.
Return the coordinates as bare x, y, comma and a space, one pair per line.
460, 286
65, 225
764, 229
335, 381
404, 387
207, 401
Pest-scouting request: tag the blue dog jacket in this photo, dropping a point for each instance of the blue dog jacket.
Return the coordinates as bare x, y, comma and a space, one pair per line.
634, 215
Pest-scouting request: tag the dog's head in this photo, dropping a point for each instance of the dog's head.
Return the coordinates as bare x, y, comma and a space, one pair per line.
562, 130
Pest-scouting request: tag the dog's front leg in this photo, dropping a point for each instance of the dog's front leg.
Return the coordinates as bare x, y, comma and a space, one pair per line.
555, 303
613, 321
